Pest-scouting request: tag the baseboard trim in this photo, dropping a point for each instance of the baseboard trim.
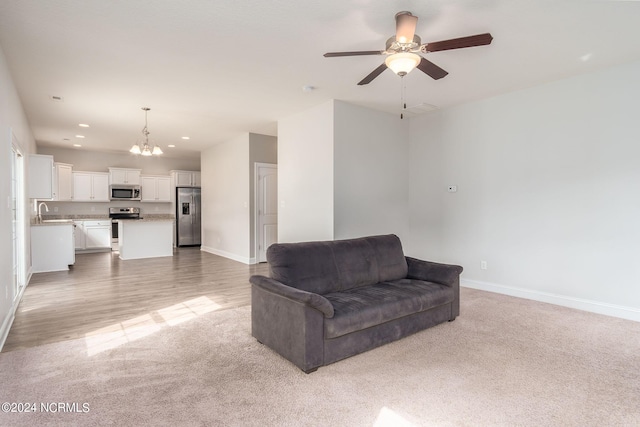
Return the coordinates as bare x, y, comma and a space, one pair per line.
623, 312
229, 255
6, 326
11, 316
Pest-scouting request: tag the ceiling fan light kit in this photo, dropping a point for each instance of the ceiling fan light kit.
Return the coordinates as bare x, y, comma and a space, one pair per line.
402, 63
403, 48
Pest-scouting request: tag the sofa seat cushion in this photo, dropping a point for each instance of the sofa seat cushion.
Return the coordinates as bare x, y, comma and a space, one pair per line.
362, 307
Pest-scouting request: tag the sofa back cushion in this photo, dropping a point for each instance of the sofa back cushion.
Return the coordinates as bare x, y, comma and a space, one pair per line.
332, 266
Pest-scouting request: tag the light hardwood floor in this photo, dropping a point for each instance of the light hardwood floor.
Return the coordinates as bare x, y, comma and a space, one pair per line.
101, 289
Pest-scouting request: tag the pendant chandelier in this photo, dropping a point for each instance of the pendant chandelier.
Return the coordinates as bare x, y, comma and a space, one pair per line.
146, 149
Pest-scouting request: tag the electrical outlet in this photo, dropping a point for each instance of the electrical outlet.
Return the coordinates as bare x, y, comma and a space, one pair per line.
452, 188
483, 265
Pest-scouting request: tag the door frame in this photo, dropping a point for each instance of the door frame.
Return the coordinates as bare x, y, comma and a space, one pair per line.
18, 192
256, 199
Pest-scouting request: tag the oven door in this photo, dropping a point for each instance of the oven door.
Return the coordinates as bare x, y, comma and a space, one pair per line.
114, 235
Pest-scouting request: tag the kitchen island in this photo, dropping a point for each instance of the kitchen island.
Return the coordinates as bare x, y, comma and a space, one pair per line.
145, 238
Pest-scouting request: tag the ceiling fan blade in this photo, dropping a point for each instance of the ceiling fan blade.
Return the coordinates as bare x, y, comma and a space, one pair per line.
357, 53
405, 27
470, 41
375, 73
431, 69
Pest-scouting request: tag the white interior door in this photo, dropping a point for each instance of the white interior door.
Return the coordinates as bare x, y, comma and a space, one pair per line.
267, 209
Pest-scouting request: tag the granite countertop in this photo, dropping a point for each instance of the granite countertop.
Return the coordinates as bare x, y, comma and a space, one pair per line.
68, 219
48, 222
152, 218
75, 217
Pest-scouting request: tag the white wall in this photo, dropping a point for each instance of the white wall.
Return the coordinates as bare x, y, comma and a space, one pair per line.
343, 171
12, 122
98, 161
371, 172
426, 189
547, 191
305, 175
228, 194
226, 199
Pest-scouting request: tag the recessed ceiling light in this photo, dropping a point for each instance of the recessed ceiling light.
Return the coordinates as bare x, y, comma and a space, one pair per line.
171, 146
77, 145
185, 137
83, 125
79, 136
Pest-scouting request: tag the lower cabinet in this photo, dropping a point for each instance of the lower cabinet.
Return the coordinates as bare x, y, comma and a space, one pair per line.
93, 235
52, 247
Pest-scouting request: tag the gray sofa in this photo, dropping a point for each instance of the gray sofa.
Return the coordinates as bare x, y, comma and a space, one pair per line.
326, 301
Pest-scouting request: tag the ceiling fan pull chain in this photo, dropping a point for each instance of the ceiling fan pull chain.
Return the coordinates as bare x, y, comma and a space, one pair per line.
403, 94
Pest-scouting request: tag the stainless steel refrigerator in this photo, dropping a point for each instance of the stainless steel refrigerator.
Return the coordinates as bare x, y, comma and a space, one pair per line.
188, 216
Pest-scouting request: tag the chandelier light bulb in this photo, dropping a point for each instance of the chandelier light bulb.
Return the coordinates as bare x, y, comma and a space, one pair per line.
146, 149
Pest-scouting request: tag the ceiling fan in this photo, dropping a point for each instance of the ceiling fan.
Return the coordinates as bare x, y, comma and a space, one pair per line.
401, 50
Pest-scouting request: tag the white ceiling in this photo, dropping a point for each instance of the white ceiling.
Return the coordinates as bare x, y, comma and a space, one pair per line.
213, 69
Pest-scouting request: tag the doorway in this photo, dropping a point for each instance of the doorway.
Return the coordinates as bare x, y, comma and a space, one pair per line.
266, 188
17, 220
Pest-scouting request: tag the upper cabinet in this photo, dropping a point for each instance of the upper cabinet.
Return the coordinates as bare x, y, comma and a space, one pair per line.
156, 188
90, 187
125, 176
62, 182
40, 177
185, 178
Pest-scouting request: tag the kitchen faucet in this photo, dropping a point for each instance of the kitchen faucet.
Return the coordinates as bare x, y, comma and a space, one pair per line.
40, 210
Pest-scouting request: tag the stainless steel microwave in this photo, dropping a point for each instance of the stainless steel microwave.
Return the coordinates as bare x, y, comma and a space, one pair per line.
124, 192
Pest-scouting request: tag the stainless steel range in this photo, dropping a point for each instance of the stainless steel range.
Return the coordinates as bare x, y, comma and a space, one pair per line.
120, 213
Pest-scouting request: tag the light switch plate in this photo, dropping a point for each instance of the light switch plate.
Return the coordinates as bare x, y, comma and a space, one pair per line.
452, 188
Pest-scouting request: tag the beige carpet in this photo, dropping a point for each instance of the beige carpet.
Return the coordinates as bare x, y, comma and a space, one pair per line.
504, 361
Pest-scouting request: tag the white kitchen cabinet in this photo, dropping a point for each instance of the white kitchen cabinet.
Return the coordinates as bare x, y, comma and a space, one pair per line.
40, 177
92, 234
97, 234
156, 188
52, 247
185, 178
125, 176
90, 187
79, 240
62, 182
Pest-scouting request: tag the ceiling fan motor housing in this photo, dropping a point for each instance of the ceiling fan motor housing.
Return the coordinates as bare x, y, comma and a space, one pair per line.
393, 46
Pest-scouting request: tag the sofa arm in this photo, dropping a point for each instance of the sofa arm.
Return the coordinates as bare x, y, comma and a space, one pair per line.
445, 274
289, 321
309, 299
